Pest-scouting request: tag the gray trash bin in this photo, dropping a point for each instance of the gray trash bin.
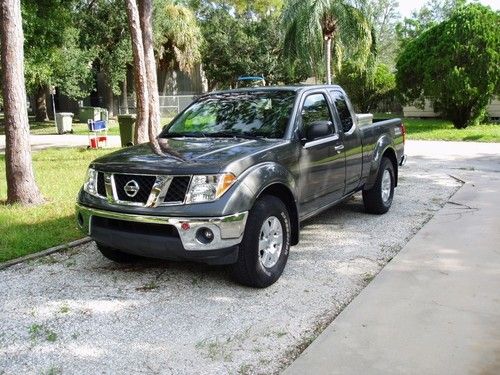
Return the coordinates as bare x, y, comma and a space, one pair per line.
103, 114
64, 122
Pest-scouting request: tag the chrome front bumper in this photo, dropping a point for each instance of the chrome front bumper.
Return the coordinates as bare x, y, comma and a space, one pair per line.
228, 230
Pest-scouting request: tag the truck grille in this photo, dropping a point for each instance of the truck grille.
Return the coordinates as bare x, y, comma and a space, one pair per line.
133, 188
177, 190
101, 186
136, 189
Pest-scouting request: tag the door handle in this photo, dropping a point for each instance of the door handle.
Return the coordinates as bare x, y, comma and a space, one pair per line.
339, 148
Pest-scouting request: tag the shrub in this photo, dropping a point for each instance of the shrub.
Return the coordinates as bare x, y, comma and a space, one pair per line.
367, 87
455, 64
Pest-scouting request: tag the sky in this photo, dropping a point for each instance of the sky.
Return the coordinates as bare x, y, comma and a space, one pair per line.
407, 6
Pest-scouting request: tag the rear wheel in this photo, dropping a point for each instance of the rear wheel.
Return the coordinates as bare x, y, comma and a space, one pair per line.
116, 255
266, 244
378, 199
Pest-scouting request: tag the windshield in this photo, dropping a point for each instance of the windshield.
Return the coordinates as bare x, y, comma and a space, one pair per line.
240, 114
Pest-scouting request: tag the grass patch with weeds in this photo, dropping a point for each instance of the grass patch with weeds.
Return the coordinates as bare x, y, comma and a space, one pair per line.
368, 277
39, 331
59, 174
64, 309
53, 371
215, 350
152, 285
245, 369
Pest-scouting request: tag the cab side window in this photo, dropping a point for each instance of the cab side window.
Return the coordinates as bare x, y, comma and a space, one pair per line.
315, 109
346, 121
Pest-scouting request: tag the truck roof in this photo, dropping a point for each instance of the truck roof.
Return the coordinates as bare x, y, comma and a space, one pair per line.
295, 88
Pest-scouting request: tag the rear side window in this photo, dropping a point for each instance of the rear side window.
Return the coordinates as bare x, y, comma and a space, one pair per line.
343, 111
315, 109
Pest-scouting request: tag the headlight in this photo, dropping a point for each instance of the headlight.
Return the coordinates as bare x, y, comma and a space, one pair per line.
90, 184
209, 188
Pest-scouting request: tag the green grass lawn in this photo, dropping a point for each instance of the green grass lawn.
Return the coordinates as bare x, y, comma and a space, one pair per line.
433, 129
80, 128
443, 130
49, 128
59, 174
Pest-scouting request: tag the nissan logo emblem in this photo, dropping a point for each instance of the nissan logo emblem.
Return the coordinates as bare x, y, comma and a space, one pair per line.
131, 188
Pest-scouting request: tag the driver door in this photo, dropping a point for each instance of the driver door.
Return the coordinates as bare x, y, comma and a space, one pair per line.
322, 159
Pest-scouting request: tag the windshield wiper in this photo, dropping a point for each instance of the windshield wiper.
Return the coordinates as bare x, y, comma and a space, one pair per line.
222, 135
187, 134
234, 135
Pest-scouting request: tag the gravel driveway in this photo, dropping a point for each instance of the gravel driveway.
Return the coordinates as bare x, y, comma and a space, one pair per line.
76, 312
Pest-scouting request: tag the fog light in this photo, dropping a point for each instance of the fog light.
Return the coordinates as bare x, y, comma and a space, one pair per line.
204, 235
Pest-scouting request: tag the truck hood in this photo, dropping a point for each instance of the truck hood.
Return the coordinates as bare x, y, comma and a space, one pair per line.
188, 156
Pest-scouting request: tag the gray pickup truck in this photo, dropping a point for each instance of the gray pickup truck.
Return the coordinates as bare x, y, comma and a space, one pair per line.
238, 172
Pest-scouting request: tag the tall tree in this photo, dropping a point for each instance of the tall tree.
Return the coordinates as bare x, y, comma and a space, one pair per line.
178, 39
235, 46
316, 29
384, 16
21, 185
140, 77
146, 16
430, 14
247, 8
146, 84
103, 25
53, 56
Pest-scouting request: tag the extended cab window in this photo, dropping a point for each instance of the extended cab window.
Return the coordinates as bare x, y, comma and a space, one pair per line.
343, 111
315, 109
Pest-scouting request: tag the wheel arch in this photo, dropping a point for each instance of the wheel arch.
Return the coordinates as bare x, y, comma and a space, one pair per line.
388, 152
282, 192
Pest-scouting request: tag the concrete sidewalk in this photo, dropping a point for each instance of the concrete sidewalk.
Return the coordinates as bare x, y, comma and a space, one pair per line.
435, 309
40, 142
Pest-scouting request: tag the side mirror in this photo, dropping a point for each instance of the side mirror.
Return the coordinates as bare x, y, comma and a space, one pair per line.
319, 129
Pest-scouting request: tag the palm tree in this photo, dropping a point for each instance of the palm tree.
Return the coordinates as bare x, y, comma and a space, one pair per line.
178, 37
316, 28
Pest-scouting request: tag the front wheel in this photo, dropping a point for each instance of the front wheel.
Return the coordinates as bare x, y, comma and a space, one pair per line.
378, 199
266, 244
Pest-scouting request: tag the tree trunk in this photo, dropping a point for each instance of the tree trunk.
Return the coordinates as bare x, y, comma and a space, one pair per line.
125, 96
146, 16
109, 99
328, 60
170, 85
140, 78
41, 104
21, 185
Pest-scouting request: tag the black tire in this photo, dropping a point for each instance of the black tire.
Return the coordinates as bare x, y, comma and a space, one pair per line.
116, 255
373, 198
249, 269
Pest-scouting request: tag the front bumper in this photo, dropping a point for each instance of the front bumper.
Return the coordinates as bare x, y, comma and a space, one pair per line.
227, 233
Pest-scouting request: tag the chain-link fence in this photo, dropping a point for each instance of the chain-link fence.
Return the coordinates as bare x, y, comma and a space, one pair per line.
170, 105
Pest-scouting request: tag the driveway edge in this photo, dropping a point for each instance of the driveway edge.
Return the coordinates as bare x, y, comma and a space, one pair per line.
46, 252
